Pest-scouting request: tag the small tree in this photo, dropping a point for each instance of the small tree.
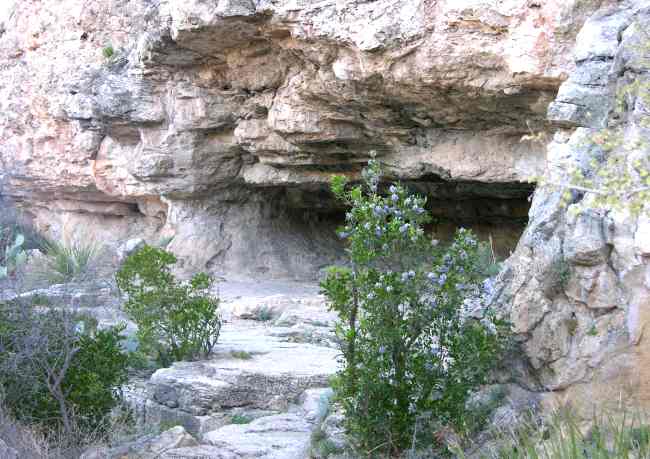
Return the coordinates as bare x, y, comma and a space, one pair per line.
57, 371
176, 320
411, 355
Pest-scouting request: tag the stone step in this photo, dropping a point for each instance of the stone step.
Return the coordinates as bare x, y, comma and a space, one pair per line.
251, 369
283, 436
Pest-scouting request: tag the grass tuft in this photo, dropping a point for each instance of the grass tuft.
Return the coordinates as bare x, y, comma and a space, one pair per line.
240, 419
242, 355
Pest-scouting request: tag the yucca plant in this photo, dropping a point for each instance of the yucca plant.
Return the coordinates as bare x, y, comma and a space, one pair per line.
65, 262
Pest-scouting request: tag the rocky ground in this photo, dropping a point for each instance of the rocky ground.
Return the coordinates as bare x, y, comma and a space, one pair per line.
262, 394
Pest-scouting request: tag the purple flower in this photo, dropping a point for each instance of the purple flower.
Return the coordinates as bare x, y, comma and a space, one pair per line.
408, 275
404, 228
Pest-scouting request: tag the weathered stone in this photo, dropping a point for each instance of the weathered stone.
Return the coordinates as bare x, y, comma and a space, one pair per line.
6, 452
642, 238
129, 247
147, 447
584, 338
282, 436
586, 245
182, 114
597, 288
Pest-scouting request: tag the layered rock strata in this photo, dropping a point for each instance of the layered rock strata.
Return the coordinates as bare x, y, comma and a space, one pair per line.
220, 122
577, 288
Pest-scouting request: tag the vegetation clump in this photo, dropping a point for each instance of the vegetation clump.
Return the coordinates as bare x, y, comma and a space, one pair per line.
176, 320
412, 350
615, 434
108, 52
57, 370
66, 261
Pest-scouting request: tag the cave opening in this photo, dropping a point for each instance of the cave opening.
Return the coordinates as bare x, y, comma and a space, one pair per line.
496, 212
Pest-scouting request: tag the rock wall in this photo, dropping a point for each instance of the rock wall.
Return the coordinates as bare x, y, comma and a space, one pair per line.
578, 286
220, 122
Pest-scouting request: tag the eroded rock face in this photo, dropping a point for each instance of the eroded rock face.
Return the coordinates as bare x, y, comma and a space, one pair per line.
577, 286
220, 122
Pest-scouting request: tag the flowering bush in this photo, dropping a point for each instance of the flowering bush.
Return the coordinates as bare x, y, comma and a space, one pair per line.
412, 351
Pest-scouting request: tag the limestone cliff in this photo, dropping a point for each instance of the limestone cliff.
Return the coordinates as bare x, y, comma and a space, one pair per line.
219, 122
578, 286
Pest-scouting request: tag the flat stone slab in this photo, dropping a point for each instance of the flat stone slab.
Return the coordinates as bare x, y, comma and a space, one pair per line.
250, 368
280, 436
283, 436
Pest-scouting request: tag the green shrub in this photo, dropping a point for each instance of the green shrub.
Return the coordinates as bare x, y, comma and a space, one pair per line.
411, 353
56, 371
176, 320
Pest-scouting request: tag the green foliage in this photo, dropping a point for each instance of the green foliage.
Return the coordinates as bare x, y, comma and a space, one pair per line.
100, 368
321, 446
57, 371
618, 174
176, 320
241, 355
240, 419
411, 353
66, 262
14, 256
108, 52
563, 436
264, 314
